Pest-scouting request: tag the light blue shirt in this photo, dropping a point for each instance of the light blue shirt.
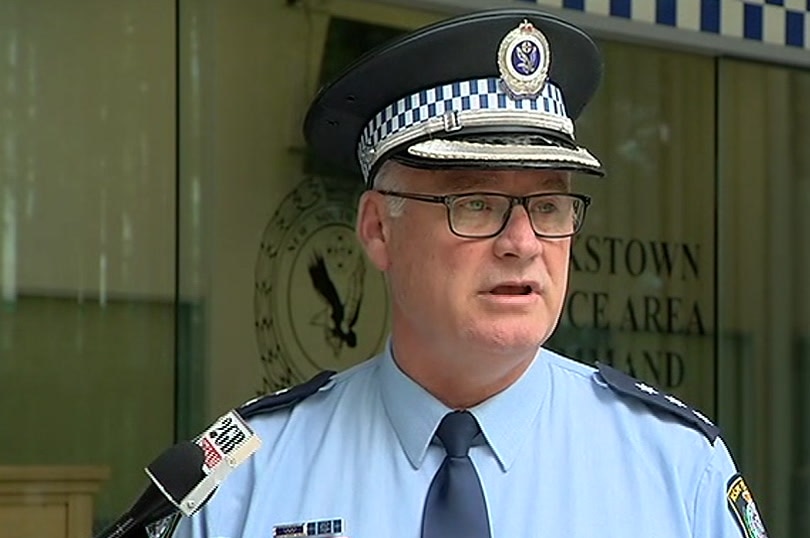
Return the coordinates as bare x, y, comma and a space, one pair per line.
565, 456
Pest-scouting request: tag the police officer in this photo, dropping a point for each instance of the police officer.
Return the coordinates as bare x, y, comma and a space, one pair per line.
465, 425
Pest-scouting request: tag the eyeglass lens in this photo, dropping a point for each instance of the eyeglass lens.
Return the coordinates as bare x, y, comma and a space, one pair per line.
484, 214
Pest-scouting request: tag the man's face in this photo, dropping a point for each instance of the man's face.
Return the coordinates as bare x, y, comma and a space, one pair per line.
499, 295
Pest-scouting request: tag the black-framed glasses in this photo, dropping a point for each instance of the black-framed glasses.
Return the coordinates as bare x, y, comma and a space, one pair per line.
481, 215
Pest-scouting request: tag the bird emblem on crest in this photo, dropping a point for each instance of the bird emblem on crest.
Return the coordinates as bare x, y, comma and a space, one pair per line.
339, 317
527, 57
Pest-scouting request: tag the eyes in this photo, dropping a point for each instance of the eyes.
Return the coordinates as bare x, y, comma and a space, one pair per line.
546, 207
540, 204
479, 215
474, 204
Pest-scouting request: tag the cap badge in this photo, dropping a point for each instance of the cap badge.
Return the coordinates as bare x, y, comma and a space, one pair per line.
523, 60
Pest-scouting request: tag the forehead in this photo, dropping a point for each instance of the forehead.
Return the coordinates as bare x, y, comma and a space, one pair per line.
529, 180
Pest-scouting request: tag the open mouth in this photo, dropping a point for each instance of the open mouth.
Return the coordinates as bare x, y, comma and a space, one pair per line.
512, 289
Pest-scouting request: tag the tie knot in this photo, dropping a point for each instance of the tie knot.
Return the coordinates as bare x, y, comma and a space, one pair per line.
456, 432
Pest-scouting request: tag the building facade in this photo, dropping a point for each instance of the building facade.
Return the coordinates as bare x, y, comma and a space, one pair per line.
160, 209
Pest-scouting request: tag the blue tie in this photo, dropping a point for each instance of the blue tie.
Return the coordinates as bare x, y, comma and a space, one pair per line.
455, 505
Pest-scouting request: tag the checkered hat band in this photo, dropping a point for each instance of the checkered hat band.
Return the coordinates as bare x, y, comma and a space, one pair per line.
468, 95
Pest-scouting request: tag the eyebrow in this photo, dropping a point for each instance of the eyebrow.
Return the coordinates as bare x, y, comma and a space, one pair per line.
462, 181
559, 183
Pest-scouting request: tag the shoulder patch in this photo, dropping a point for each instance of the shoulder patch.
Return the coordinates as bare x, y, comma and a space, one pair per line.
742, 506
285, 398
630, 386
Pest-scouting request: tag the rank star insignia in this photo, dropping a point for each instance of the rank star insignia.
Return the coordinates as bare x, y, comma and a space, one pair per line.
701, 416
643, 387
674, 401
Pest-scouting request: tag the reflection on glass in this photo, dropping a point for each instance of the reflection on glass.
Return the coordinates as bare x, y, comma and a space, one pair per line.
86, 238
641, 295
764, 193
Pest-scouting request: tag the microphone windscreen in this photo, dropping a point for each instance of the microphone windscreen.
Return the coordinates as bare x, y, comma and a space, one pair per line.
179, 469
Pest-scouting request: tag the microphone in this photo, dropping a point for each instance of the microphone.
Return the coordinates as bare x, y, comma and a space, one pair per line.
174, 474
226, 444
186, 475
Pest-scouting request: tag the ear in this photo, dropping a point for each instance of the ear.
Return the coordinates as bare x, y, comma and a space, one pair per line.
372, 228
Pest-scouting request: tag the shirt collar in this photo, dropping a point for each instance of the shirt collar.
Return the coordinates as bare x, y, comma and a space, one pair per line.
414, 412
505, 419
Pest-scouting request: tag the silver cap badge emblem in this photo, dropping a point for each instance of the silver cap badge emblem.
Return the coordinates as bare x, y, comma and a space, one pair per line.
523, 60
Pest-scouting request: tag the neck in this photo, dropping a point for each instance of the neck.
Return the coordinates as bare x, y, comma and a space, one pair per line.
460, 379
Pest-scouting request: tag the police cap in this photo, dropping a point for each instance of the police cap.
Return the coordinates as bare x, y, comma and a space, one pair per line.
492, 89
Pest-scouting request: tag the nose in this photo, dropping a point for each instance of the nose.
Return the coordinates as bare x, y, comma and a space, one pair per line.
518, 239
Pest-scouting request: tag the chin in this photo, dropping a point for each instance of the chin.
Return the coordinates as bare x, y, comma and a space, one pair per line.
506, 338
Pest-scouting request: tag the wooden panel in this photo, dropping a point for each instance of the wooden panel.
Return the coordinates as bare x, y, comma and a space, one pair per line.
34, 521
48, 502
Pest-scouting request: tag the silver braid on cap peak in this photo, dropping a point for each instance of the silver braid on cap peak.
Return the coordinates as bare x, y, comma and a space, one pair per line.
475, 151
451, 107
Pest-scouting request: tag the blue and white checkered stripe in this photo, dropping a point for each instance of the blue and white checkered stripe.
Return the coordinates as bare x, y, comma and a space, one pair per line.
484, 96
778, 22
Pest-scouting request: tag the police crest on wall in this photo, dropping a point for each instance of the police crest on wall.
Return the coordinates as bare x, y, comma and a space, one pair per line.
318, 303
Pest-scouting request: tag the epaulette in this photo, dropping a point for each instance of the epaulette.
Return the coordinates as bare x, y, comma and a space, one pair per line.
627, 385
286, 397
